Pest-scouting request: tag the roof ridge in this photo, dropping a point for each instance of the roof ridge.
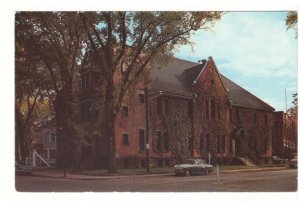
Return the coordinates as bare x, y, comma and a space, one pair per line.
185, 60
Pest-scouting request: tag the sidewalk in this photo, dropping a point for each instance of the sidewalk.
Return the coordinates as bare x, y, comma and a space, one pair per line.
60, 173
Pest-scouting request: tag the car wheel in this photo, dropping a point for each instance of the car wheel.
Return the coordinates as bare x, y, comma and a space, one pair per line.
187, 173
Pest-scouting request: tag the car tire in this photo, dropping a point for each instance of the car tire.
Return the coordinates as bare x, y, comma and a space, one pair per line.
187, 173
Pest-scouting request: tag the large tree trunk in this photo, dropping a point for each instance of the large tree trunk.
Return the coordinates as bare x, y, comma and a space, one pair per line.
68, 148
109, 127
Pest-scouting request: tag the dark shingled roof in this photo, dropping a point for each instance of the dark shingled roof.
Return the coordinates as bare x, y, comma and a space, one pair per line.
240, 96
178, 76
171, 78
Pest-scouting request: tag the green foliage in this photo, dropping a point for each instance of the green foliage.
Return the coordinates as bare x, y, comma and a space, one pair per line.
291, 21
178, 125
124, 44
53, 44
130, 42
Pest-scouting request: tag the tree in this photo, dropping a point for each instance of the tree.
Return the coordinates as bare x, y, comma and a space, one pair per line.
56, 41
293, 111
291, 21
28, 90
127, 44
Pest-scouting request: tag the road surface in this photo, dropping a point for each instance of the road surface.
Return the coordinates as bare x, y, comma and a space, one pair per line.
263, 181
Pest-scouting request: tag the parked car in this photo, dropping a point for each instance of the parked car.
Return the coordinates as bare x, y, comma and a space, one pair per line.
293, 163
277, 160
193, 167
23, 168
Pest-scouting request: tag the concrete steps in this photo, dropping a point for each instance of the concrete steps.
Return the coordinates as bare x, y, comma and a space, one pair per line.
246, 161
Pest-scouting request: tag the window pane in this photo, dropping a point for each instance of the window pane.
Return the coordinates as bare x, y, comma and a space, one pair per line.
166, 107
202, 143
166, 141
207, 142
142, 140
158, 141
125, 140
207, 109
223, 143
213, 109
142, 98
159, 106
124, 111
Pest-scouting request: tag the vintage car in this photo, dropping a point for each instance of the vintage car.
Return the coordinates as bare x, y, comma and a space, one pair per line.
193, 167
277, 160
23, 168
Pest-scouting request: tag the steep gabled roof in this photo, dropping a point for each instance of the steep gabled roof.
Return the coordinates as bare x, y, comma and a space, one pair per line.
193, 73
241, 97
178, 77
171, 78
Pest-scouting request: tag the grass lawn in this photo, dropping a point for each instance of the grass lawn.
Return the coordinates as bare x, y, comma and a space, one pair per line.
133, 171
159, 170
234, 167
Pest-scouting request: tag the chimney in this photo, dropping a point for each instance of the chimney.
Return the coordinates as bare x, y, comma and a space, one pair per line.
203, 61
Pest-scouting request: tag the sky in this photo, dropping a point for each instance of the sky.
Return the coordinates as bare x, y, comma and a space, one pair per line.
254, 50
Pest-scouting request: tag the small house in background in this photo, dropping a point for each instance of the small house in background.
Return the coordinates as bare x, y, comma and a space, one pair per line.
44, 143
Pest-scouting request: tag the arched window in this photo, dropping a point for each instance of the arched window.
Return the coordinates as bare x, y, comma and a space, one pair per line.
213, 109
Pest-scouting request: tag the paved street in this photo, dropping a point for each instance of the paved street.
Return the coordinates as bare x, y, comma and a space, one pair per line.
263, 181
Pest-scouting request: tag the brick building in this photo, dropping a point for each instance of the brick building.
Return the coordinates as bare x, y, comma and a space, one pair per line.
284, 136
190, 103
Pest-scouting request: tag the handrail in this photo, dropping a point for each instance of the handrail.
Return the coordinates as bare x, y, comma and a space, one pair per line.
40, 157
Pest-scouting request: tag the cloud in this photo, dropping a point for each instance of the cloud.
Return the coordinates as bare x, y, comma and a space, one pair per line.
251, 43
254, 49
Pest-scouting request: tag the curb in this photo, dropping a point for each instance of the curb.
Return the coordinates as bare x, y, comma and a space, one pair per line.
92, 177
253, 170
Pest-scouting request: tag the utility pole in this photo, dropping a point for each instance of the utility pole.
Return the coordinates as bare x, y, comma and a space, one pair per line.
147, 130
285, 101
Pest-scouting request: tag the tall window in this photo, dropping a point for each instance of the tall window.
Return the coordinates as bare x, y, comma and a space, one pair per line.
238, 116
166, 107
202, 143
213, 109
207, 146
158, 145
52, 137
141, 98
85, 80
220, 143
142, 141
191, 144
230, 116
52, 154
207, 109
163, 106
255, 118
124, 111
125, 139
159, 106
219, 112
166, 141
190, 109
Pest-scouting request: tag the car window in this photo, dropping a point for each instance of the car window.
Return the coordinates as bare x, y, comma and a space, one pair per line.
189, 161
